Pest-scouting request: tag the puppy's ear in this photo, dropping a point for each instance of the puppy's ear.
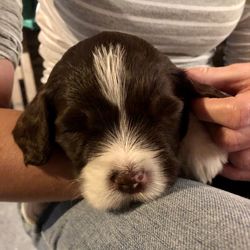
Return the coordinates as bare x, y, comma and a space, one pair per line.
34, 131
187, 89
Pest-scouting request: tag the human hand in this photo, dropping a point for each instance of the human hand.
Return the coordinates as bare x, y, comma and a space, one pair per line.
230, 116
6, 82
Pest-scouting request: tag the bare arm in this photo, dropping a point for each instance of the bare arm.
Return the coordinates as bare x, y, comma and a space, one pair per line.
6, 82
51, 182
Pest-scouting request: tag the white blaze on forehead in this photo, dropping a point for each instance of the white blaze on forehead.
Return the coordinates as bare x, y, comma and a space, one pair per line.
124, 145
110, 72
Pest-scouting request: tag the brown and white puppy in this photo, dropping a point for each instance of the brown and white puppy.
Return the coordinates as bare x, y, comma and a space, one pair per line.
120, 111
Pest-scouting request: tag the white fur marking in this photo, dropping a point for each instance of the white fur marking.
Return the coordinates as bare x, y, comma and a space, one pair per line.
202, 158
123, 148
110, 72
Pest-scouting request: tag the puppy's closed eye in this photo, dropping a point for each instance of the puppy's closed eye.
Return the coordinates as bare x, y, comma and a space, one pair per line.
72, 120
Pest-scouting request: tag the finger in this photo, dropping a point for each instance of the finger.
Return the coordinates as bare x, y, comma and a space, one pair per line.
231, 140
232, 173
241, 159
221, 77
231, 112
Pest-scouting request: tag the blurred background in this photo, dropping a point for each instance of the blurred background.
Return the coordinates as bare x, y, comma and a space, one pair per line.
29, 71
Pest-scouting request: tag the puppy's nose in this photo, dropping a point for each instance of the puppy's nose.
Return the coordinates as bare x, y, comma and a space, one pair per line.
130, 181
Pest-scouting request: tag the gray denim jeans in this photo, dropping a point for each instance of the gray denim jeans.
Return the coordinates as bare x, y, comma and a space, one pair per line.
191, 216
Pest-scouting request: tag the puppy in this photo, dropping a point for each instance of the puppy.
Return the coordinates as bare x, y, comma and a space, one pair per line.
120, 111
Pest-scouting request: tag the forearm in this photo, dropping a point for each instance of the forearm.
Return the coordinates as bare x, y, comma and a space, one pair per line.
6, 82
52, 182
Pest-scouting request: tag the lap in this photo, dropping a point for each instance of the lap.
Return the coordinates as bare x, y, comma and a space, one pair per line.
191, 216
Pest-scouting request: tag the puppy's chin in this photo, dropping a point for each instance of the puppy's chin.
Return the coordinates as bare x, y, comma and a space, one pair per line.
118, 177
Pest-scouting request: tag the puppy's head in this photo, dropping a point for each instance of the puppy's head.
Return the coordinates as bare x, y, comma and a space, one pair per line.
118, 108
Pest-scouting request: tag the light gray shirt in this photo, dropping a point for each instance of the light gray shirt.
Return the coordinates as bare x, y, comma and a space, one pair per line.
188, 31
10, 30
